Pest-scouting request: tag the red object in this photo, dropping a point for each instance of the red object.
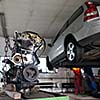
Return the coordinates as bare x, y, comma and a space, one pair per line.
91, 12
78, 80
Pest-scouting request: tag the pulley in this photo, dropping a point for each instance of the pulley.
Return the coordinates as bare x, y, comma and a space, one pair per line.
18, 58
30, 73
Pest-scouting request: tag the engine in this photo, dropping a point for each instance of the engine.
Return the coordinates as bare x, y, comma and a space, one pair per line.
23, 71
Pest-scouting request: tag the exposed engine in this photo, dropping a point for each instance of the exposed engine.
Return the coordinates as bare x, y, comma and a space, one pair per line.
23, 71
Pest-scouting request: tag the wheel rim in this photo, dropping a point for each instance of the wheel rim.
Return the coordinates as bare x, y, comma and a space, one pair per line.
70, 51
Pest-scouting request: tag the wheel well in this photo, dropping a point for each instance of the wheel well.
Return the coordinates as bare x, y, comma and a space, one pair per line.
69, 36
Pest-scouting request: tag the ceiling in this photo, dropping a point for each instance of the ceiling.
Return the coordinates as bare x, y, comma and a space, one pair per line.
46, 17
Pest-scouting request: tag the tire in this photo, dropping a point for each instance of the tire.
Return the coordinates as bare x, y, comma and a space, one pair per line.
73, 50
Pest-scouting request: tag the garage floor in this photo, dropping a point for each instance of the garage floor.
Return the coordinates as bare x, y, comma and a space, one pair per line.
81, 97
47, 95
36, 95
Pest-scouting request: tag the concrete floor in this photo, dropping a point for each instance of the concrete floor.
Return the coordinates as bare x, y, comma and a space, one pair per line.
3, 96
81, 97
47, 95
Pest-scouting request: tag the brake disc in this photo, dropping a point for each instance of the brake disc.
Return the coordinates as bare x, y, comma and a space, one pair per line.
30, 73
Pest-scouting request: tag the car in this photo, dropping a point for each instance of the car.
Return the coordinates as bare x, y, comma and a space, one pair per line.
78, 41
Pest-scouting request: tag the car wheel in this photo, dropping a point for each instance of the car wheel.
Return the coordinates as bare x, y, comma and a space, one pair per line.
73, 51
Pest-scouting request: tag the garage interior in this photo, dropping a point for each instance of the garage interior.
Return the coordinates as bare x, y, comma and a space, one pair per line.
42, 19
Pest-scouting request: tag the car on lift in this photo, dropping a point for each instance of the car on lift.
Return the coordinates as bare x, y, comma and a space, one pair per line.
78, 41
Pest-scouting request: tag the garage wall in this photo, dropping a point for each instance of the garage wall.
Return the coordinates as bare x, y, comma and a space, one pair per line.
62, 76
95, 71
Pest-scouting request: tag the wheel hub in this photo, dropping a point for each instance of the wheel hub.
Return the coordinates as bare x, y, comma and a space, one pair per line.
70, 51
